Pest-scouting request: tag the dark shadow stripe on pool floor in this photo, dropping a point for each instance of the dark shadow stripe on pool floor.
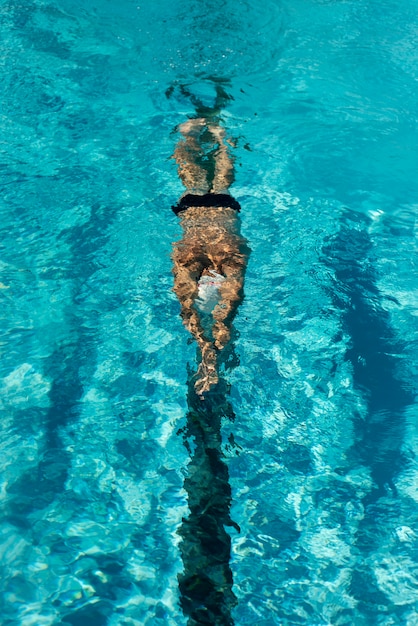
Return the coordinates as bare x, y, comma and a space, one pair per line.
373, 352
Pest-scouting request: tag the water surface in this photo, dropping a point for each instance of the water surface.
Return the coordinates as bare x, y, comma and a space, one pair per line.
291, 496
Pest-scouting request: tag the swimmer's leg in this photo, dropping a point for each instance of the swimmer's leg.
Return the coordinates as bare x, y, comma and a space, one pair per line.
187, 153
224, 167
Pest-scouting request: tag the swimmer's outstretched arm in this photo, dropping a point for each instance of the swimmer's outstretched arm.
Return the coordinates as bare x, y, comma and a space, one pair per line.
186, 290
231, 292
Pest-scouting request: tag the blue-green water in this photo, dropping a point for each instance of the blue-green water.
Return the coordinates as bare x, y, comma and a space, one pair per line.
302, 483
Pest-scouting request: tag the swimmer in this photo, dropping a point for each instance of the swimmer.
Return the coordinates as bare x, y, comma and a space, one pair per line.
211, 258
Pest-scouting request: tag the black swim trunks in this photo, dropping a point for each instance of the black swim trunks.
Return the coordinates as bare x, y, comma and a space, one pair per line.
207, 200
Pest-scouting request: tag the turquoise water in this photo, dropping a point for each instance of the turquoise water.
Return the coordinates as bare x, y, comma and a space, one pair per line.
291, 497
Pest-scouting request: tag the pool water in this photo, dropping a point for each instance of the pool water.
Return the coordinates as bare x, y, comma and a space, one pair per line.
289, 496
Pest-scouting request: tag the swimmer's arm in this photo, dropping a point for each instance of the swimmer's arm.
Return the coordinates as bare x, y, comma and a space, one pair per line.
186, 289
231, 292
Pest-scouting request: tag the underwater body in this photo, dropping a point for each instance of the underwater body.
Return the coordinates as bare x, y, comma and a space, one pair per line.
289, 494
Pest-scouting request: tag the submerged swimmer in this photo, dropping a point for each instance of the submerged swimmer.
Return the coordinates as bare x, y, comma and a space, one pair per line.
210, 259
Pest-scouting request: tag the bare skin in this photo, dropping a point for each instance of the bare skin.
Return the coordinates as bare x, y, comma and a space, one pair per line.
211, 242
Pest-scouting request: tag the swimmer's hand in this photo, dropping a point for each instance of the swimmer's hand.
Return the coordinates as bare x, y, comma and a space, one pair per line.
207, 375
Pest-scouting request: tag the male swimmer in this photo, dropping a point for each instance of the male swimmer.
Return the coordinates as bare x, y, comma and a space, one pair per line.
210, 259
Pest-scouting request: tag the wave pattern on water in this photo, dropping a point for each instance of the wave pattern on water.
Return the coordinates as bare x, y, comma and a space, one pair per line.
122, 503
